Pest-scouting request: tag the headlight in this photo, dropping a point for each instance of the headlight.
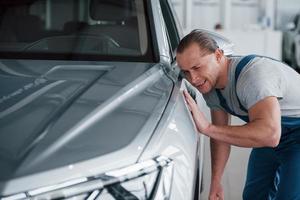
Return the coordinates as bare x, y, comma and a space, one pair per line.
150, 179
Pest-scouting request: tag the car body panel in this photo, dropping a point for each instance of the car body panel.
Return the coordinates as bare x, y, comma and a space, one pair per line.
139, 103
68, 120
170, 138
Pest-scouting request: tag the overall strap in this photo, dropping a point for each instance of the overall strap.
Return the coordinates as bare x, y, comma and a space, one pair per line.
243, 62
240, 66
226, 107
223, 102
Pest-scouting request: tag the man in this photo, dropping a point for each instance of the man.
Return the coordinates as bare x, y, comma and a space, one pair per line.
261, 91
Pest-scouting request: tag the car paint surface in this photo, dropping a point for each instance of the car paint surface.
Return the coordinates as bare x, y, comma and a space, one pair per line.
79, 119
114, 108
67, 120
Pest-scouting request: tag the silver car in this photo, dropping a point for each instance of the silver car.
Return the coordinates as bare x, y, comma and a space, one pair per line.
91, 104
291, 43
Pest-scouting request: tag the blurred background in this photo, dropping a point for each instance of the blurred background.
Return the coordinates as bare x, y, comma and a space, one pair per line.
254, 26
264, 27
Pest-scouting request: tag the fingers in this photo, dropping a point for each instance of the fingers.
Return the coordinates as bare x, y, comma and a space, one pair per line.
188, 97
188, 100
220, 198
215, 197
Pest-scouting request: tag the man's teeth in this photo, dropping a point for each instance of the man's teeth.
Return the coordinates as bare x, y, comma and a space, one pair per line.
202, 83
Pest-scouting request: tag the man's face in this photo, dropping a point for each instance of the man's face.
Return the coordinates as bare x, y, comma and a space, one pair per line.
200, 70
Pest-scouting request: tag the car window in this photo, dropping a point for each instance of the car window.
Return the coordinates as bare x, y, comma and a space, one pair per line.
170, 24
111, 29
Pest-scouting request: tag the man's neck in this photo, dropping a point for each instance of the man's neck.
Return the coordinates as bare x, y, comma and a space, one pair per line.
223, 79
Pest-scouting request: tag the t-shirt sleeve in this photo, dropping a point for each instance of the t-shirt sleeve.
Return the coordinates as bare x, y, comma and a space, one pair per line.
212, 101
260, 80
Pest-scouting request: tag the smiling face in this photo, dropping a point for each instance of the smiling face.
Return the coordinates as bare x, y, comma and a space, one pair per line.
203, 70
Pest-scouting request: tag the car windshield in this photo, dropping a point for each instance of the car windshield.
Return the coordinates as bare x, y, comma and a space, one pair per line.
75, 29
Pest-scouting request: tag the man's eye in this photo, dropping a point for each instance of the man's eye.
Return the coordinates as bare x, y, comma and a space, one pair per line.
183, 74
186, 74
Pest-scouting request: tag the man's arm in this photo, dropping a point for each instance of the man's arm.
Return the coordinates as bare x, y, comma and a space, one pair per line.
263, 130
219, 155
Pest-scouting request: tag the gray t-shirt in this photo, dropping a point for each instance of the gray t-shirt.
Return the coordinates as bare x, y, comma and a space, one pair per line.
260, 78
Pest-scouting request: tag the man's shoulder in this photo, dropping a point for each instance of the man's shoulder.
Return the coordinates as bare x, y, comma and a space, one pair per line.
259, 66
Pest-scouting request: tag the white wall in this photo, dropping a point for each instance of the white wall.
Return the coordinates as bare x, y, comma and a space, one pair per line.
232, 14
246, 23
262, 42
203, 8
244, 14
235, 14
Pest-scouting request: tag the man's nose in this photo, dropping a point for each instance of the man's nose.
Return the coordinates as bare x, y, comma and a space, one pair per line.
194, 78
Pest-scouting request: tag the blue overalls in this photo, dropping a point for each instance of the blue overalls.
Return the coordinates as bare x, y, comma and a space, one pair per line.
273, 173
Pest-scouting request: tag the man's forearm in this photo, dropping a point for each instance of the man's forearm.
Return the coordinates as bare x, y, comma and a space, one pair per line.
254, 134
219, 150
219, 155
264, 128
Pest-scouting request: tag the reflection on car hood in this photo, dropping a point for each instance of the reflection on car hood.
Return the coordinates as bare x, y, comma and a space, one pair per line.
57, 113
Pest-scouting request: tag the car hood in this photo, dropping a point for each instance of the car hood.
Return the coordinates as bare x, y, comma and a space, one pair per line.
54, 114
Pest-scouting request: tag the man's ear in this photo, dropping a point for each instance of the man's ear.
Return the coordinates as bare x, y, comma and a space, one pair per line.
219, 54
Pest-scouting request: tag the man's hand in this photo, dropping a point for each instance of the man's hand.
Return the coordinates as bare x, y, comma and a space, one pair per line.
216, 192
200, 120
